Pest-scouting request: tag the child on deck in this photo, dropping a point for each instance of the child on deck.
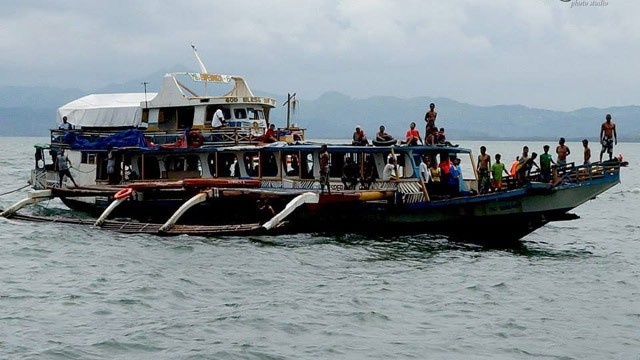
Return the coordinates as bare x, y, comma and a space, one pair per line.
545, 165
497, 170
587, 152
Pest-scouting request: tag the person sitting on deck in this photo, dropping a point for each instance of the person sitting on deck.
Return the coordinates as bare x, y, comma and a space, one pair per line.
350, 174
413, 136
270, 135
441, 139
390, 170
383, 136
359, 138
218, 120
368, 173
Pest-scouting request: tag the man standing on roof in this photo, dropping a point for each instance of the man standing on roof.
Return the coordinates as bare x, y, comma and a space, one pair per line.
65, 125
608, 136
430, 119
218, 120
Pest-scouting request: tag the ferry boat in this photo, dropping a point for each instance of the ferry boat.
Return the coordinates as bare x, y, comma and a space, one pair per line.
177, 174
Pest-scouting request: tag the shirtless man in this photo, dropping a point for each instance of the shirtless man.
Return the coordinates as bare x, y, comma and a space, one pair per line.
563, 151
608, 136
484, 164
430, 119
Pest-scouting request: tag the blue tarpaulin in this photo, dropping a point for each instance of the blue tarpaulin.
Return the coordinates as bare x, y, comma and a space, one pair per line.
125, 138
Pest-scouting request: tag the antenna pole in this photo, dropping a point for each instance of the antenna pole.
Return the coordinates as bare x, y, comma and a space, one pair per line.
146, 105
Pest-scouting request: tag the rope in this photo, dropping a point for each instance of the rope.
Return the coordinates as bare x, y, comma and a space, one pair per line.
80, 171
12, 191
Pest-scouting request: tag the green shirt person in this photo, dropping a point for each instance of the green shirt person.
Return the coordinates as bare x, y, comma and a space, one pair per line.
496, 171
545, 164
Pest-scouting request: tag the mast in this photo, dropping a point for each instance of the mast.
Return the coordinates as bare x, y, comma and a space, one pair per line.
290, 99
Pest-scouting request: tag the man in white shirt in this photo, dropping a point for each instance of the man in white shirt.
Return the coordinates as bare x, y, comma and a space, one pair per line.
65, 125
389, 169
425, 174
218, 119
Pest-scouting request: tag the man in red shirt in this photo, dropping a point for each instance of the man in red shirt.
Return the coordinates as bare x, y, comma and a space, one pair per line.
413, 136
270, 135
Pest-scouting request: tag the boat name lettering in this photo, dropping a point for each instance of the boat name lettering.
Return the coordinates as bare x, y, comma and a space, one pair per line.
250, 99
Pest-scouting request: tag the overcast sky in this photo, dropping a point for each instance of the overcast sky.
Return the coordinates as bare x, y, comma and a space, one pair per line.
539, 53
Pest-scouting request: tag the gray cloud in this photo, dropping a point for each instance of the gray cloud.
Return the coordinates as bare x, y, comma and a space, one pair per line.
541, 53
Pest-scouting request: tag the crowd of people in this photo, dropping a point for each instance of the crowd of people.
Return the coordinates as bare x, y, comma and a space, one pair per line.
490, 176
433, 135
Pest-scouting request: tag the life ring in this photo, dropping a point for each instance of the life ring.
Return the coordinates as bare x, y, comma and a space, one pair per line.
123, 193
195, 139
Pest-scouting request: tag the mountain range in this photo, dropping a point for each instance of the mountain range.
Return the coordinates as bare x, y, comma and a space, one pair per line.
31, 111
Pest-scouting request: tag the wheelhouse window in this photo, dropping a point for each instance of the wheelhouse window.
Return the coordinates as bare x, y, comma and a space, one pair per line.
255, 114
240, 113
211, 109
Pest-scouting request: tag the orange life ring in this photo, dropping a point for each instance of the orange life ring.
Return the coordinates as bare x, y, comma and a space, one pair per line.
123, 193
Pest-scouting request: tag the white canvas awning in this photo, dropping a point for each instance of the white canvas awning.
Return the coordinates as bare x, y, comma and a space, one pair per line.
105, 110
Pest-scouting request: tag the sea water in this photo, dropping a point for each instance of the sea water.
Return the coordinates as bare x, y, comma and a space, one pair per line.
567, 291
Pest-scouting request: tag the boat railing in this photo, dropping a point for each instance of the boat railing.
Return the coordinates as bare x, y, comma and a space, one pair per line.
229, 136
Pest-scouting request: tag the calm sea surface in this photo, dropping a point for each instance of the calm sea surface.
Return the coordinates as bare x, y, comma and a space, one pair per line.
570, 291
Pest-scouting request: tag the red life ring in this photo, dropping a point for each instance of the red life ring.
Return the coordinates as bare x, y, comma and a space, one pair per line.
123, 193
195, 139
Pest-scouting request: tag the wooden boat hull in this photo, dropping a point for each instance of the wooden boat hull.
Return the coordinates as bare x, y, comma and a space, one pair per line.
516, 212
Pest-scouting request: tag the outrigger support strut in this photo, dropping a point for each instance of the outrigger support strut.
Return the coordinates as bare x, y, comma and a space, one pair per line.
34, 197
108, 211
201, 197
305, 198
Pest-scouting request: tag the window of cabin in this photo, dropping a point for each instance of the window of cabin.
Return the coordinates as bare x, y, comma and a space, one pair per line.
211, 162
180, 167
151, 168
369, 168
145, 116
211, 110
88, 158
400, 161
336, 163
251, 161
291, 165
240, 113
306, 165
167, 119
268, 164
185, 116
228, 165
255, 114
